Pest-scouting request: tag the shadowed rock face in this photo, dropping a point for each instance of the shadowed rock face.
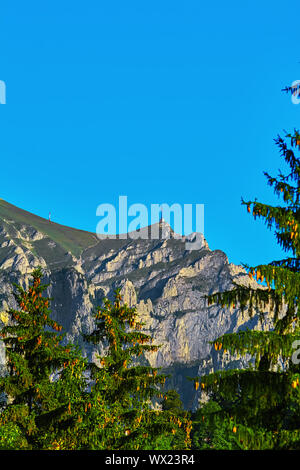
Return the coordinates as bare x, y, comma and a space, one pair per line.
160, 277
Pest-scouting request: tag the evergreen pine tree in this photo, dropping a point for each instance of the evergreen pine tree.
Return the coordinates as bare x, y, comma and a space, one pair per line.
44, 381
259, 407
126, 386
173, 405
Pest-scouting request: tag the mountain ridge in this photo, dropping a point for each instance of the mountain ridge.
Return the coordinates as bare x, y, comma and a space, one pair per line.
164, 281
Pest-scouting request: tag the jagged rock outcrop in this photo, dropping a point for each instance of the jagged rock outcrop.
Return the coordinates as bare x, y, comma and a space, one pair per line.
165, 281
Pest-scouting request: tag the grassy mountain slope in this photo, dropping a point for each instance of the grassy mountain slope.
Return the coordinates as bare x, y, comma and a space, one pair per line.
69, 239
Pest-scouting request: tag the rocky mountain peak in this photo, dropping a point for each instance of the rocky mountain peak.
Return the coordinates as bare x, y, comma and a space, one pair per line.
163, 277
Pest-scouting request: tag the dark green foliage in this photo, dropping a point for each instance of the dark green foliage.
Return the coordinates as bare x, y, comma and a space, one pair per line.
211, 430
11, 437
172, 402
132, 386
44, 379
51, 398
259, 408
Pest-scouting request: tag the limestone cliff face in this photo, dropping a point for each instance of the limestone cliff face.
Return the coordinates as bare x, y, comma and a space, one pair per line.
160, 277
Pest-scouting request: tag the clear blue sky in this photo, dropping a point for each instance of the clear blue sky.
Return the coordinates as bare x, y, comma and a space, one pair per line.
162, 101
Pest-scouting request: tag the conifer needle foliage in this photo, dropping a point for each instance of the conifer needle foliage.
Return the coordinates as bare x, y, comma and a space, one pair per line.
134, 387
259, 408
52, 398
44, 381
